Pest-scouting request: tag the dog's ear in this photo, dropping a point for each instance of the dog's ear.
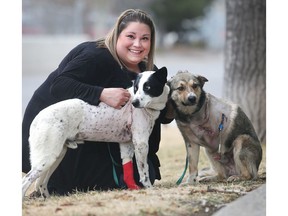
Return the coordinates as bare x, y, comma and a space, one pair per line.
202, 80
161, 74
169, 85
169, 81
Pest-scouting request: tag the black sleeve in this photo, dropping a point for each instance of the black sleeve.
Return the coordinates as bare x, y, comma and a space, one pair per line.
85, 76
162, 118
65, 87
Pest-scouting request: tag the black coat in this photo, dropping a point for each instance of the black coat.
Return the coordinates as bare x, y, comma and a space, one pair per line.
83, 74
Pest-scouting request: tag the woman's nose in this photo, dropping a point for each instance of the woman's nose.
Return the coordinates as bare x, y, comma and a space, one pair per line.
137, 42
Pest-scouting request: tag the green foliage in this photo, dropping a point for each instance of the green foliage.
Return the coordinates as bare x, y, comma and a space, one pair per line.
170, 14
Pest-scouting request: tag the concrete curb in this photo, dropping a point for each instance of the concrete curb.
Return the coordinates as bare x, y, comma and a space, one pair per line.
252, 204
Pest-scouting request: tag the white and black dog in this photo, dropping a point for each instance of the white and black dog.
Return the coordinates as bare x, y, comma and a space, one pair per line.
70, 122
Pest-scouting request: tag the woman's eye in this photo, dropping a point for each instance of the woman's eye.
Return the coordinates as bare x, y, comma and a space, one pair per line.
130, 36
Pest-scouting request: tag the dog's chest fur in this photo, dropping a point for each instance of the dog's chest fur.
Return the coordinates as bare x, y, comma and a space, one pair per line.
203, 126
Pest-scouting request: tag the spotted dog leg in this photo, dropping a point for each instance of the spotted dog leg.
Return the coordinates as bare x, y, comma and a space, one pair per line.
127, 152
29, 178
141, 153
42, 182
41, 171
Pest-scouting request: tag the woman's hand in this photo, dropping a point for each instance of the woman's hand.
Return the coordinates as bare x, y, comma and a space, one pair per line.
115, 97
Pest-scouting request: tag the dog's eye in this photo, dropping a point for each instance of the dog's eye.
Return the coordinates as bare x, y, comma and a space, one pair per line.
146, 87
180, 88
194, 86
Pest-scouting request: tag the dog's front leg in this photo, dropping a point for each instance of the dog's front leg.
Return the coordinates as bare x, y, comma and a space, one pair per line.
127, 152
141, 153
193, 151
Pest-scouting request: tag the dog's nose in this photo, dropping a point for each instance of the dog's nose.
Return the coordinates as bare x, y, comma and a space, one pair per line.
136, 103
192, 99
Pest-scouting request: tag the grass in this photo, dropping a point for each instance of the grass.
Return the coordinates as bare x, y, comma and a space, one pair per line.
166, 198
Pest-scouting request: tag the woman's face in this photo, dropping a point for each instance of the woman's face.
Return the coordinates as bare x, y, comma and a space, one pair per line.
133, 44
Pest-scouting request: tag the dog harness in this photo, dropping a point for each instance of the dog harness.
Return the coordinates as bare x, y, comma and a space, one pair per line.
220, 128
220, 156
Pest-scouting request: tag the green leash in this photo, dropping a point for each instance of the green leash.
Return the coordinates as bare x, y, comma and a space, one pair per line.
114, 163
184, 172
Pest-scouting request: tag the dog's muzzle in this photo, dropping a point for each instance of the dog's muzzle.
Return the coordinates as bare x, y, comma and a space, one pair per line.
191, 100
136, 103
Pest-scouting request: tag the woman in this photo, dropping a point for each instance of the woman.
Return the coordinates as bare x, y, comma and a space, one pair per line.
99, 71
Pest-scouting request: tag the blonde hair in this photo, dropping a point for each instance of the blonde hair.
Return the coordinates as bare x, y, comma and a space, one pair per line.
130, 15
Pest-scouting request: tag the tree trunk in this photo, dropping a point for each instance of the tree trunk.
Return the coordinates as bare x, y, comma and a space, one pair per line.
245, 59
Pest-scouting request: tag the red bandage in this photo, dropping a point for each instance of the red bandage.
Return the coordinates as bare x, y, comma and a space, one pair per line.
129, 176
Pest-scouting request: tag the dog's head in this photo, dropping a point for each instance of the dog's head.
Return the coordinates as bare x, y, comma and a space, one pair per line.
186, 91
150, 89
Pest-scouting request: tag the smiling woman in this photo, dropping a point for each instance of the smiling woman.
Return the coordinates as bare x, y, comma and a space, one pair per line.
134, 44
99, 71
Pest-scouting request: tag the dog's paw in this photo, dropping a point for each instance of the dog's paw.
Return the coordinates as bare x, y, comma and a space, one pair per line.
190, 181
71, 144
208, 171
147, 185
208, 179
150, 187
35, 194
234, 178
187, 183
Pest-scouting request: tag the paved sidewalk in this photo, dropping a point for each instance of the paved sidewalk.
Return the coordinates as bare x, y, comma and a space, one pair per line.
252, 204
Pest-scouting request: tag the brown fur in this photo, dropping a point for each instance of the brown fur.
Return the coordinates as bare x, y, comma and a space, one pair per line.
234, 152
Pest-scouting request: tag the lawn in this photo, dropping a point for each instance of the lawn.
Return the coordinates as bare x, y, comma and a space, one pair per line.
166, 198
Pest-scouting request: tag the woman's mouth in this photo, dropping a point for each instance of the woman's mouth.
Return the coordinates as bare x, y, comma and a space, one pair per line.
135, 51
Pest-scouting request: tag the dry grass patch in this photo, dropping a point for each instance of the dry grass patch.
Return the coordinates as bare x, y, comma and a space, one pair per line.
166, 198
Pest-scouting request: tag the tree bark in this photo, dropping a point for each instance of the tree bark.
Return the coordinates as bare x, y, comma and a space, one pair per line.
245, 59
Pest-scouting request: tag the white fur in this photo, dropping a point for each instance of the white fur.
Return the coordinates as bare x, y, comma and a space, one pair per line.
70, 122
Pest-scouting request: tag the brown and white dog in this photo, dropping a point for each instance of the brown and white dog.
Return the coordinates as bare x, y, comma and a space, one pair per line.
221, 127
